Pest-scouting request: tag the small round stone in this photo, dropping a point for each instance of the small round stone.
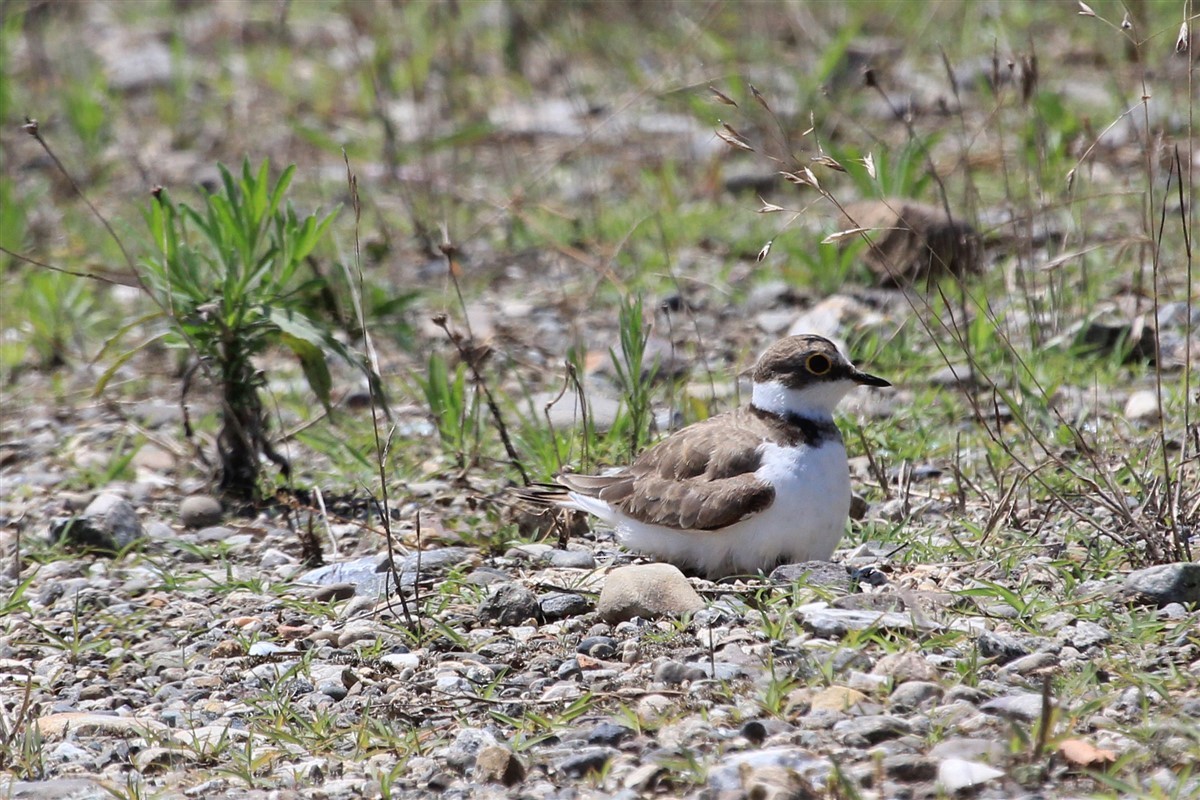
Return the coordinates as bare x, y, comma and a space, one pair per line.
199, 511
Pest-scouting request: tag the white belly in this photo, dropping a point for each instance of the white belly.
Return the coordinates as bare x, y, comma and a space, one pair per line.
804, 523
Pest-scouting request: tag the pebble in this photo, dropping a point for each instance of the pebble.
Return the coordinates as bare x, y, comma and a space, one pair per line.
598, 647
508, 604
1002, 647
570, 559
498, 764
109, 524
836, 698
1142, 406
901, 667
79, 723
200, 511
674, 673
912, 695
649, 591
1084, 635
834, 623
736, 770
653, 707
814, 573
562, 605
868, 730
463, 752
609, 734
1020, 707
1032, 663
587, 760
1165, 584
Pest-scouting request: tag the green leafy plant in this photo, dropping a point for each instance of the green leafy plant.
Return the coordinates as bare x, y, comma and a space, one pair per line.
455, 410
58, 314
634, 375
228, 277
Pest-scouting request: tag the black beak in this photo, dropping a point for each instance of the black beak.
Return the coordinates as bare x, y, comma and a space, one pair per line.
860, 377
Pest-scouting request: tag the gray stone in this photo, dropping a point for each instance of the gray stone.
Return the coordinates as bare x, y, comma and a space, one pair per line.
464, 750
1031, 663
673, 673
609, 734
863, 731
901, 667
427, 564
915, 694
1165, 583
274, 557
1022, 707
646, 590
589, 759
1085, 634
598, 647
199, 511
834, 623
570, 559
214, 533
368, 575
561, 605
910, 767
1002, 647
509, 604
334, 689
109, 524
814, 573
565, 411
834, 316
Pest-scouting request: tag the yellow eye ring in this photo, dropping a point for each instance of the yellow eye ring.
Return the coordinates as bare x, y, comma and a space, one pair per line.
818, 364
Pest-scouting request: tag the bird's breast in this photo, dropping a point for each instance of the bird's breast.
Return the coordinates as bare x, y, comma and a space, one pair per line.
812, 484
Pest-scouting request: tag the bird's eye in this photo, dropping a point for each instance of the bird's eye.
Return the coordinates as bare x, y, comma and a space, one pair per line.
818, 364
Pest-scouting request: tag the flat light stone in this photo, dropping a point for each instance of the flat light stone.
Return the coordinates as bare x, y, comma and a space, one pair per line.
990, 750
82, 723
1142, 406
834, 623
646, 590
955, 774
53, 789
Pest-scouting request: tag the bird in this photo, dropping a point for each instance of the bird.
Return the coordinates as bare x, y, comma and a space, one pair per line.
764, 484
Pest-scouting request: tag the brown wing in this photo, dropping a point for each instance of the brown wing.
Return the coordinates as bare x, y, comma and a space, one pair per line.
700, 478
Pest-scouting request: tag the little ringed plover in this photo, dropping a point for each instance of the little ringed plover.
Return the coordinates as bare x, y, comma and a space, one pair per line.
764, 484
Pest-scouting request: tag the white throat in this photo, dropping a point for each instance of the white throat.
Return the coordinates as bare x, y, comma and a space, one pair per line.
815, 402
